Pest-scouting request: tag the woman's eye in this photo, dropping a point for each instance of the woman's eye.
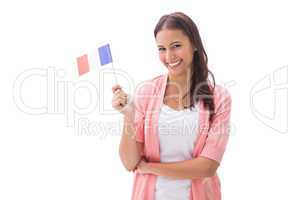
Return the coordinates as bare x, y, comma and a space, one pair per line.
177, 45
161, 49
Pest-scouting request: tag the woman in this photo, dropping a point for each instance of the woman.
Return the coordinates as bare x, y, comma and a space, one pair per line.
177, 127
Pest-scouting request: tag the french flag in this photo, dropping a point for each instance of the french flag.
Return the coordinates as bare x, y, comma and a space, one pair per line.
86, 61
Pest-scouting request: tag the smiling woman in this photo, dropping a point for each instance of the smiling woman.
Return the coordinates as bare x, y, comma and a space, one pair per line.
175, 51
175, 142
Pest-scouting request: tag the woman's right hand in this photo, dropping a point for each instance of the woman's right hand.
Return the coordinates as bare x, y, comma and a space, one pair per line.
121, 102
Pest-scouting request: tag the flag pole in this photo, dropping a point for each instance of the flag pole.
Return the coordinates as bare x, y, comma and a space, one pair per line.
114, 71
112, 64
113, 68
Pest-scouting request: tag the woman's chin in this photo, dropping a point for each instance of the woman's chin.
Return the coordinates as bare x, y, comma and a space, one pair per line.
176, 72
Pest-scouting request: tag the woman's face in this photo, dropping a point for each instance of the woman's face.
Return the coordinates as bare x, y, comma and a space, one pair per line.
175, 51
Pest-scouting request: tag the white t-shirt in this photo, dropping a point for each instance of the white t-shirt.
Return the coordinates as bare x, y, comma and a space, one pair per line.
177, 132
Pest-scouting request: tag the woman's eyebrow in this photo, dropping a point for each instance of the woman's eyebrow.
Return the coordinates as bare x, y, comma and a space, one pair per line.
169, 44
174, 42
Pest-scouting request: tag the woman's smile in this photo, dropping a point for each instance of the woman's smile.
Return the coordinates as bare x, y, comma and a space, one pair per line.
175, 64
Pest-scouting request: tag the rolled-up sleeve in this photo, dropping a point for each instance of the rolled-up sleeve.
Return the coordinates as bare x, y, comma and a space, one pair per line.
140, 100
139, 121
218, 133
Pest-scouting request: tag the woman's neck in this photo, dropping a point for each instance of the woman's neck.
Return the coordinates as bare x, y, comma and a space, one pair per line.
181, 81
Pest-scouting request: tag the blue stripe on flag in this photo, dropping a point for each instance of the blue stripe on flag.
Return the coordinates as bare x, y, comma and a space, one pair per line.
105, 54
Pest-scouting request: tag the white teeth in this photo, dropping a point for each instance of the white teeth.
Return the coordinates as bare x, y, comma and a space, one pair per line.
174, 64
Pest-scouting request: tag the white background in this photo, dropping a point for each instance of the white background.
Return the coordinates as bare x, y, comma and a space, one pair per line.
46, 156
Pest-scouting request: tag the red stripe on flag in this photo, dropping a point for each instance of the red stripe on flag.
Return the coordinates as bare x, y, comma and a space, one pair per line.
83, 64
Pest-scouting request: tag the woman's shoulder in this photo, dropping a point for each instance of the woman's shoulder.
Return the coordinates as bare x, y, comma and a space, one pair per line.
221, 91
145, 90
158, 78
221, 95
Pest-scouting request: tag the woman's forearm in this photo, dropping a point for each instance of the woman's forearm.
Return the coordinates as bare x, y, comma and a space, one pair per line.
189, 169
129, 151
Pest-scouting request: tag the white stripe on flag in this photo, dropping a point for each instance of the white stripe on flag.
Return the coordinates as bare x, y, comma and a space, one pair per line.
94, 60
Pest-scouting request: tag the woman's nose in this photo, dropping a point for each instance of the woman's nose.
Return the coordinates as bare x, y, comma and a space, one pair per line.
170, 57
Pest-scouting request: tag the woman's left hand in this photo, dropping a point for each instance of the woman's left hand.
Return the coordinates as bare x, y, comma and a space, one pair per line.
143, 167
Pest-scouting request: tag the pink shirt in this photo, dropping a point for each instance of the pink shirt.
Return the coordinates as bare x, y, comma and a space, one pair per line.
210, 143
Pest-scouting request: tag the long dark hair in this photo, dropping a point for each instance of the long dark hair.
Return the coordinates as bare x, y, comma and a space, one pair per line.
201, 88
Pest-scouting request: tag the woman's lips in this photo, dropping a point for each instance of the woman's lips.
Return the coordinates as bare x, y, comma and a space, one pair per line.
174, 64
